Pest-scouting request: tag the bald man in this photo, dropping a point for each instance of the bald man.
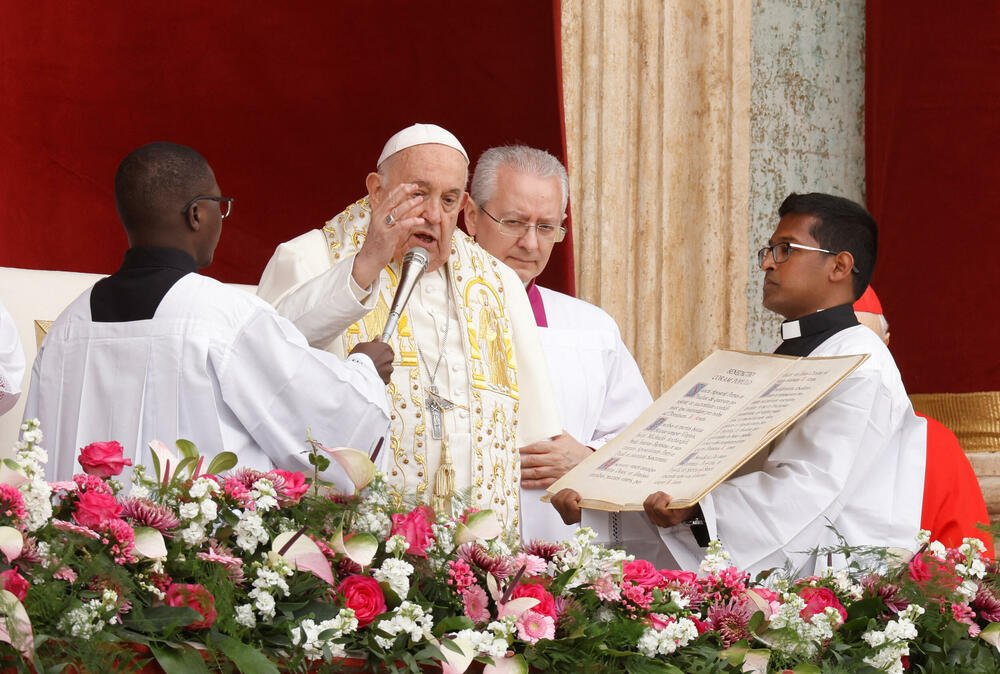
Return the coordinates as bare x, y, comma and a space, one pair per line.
158, 352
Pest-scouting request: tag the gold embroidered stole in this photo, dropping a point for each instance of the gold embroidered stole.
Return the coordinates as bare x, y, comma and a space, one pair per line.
491, 370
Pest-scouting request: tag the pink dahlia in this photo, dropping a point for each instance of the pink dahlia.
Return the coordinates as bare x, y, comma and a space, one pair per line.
987, 604
731, 620
543, 549
477, 557
145, 513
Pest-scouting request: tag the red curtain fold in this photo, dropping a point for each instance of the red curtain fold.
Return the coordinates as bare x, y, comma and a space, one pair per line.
932, 114
289, 102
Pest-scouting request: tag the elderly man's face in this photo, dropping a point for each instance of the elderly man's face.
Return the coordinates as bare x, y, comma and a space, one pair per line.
440, 174
518, 196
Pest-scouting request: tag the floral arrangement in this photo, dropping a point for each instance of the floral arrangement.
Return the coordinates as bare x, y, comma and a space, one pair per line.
196, 567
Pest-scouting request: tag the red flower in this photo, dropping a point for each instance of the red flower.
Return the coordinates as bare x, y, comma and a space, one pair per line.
642, 573
679, 577
14, 583
103, 459
364, 595
295, 485
415, 527
817, 600
546, 605
94, 509
196, 597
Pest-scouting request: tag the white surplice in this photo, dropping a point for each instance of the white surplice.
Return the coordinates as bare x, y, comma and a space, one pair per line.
855, 461
214, 365
598, 388
11, 361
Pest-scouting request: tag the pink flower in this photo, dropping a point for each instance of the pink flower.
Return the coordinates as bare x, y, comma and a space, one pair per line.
817, 600
11, 503
14, 583
678, 577
94, 509
124, 540
545, 605
93, 483
533, 566
62, 525
65, 573
460, 575
962, 613
365, 596
732, 620
294, 487
145, 513
642, 573
196, 597
606, 589
238, 492
533, 626
658, 621
103, 459
415, 527
474, 601
987, 604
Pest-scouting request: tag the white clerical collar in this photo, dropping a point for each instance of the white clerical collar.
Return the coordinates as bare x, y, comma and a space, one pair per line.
791, 330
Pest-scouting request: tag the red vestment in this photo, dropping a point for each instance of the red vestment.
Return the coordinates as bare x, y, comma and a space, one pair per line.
953, 500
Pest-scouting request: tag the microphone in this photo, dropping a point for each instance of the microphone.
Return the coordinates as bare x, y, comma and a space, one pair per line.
414, 263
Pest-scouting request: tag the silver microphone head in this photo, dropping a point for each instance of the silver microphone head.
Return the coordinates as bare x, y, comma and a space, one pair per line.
419, 255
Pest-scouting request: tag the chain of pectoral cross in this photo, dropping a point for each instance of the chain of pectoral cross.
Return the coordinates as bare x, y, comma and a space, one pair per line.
434, 402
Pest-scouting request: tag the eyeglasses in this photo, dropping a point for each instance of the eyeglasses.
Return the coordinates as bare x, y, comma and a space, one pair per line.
225, 204
780, 252
518, 228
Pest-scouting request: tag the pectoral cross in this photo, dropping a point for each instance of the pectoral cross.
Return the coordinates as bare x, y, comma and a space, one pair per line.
437, 406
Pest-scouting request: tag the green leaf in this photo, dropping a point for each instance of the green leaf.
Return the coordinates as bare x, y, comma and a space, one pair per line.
184, 463
222, 462
245, 657
188, 449
162, 618
179, 660
453, 624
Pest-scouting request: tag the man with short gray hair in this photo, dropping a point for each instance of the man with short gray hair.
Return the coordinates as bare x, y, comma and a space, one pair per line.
518, 206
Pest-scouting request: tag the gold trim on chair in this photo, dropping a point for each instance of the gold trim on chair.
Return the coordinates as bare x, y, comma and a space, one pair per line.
974, 418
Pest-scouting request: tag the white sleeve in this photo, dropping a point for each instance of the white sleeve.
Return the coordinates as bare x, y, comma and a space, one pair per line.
278, 387
321, 300
11, 361
627, 396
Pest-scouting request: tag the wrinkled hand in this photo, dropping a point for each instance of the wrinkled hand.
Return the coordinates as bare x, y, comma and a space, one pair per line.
382, 239
381, 355
542, 463
567, 502
656, 509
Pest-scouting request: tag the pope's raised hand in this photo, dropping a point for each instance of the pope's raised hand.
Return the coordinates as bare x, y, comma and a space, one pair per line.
394, 218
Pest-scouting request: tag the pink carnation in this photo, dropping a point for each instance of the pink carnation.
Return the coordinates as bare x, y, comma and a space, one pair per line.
294, 485
533, 626
475, 602
415, 527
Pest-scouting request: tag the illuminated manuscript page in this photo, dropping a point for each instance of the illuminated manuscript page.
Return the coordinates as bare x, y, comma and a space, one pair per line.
721, 413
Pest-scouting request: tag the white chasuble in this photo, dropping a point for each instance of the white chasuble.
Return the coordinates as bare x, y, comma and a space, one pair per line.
214, 365
473, 316
854, 462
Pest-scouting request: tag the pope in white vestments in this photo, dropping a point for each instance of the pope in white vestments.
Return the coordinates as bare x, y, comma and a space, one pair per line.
469, 384
11, 361
598, 387
158, 352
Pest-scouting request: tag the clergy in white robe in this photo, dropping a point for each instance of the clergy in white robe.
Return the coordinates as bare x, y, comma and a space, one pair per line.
853, 465
467, 335
598, 387
158, 352
11, 361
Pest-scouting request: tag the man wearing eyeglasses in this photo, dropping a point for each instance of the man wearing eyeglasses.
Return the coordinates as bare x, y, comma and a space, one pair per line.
469, 385
853, 466
518, 205
157, 351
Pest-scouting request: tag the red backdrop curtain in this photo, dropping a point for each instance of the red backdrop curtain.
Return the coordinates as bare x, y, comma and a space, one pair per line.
290, 103
933, 183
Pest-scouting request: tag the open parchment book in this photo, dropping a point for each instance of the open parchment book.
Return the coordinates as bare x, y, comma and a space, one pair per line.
711, 422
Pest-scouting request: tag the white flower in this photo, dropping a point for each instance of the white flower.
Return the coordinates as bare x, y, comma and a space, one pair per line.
408, 618
250, 530
265, 604
139, 491
193, 534
675, 635
202, 487
244, 615
396, 545
209, 510
716, 559
396, 573
308, 634
37, 497
189, 511
264, 494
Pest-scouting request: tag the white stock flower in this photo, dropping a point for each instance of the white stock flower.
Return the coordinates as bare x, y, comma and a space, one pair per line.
716, 559
244, 616
407, 618
395, 572
675, 635
37, 497
189, 511
250, 530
